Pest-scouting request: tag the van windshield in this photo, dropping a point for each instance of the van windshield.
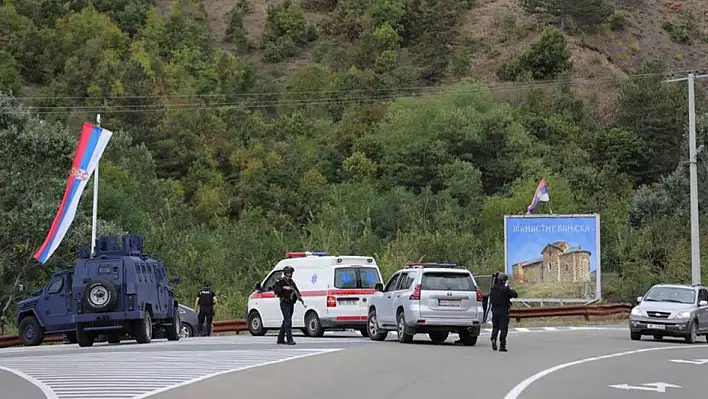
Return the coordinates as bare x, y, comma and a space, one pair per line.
447, 281
356, 277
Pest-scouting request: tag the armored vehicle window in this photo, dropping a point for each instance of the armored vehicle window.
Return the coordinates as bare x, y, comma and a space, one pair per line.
55, 285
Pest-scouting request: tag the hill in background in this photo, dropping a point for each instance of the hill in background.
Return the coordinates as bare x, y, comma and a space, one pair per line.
405, 130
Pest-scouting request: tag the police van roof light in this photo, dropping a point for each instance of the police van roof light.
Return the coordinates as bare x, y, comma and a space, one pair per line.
291, 255
448, 265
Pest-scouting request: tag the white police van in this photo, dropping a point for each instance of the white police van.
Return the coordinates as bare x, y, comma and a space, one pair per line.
336, 289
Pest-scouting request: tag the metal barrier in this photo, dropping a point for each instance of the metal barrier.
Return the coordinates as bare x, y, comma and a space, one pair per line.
518, 314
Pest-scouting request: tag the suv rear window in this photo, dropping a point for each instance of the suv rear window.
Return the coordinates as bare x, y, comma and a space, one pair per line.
447, 281
356, 277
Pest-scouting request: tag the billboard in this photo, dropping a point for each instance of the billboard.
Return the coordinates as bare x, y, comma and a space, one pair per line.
556, 251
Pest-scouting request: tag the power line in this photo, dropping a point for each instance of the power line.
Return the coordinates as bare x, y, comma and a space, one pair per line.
491, 86
249, 103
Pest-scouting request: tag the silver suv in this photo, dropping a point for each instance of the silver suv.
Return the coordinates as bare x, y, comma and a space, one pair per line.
432, 298
671, 310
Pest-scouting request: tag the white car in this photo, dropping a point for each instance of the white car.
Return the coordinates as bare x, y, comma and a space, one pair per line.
336, 289
428, 298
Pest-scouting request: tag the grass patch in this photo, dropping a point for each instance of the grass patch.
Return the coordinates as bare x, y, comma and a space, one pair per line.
553, 290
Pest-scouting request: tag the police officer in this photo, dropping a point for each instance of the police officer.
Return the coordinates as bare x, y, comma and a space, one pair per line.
288, 293
204, 304
500, 296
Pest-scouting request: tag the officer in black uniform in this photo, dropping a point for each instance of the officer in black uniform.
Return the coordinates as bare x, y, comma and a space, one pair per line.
206, 300
500, 296
288, 293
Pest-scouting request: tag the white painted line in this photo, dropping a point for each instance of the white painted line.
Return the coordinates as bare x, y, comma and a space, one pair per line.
322, 351
522, 329
39, 384
550, 328
520, 387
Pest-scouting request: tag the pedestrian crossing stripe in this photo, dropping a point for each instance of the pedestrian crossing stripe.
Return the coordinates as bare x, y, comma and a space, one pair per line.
117, 375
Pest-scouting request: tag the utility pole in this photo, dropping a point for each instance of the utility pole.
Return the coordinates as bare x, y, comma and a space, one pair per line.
693, 169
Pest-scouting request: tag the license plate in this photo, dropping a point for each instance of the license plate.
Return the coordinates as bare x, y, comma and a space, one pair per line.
347, 301
656, 327
447, 302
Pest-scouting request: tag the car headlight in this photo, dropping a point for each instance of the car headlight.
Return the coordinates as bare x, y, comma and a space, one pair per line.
182, 311
636, 312
683, 315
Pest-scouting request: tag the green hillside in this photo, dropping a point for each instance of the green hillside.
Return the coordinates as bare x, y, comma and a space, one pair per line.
401, 129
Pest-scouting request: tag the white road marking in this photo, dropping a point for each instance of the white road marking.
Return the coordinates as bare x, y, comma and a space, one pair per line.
47, 391
137, 375
520, 387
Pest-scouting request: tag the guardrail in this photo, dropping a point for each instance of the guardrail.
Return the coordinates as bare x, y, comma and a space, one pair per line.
577, 310
518, 314
542, 301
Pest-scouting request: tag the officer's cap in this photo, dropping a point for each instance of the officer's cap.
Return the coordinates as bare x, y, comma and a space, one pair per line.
288, 270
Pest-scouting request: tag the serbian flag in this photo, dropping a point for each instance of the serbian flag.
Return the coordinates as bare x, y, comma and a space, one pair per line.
541, 194
92, 142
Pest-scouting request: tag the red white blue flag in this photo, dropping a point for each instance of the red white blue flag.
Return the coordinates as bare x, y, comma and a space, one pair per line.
541, 194
92, 142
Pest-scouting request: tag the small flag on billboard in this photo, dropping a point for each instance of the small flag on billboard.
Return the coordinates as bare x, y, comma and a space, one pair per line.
541, 194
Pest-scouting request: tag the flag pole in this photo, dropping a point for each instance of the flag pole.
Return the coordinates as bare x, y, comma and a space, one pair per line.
94, 217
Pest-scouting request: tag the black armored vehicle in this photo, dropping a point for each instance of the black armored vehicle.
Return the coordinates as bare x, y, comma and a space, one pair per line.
119, 291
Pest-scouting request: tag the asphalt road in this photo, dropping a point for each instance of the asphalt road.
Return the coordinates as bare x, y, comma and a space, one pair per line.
539, 364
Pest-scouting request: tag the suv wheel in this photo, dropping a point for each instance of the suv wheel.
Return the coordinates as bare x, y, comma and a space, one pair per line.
255, 324
692, 336
635, 336
142, 329
438, 337
31, 333
467, 338
375, 333
404, 335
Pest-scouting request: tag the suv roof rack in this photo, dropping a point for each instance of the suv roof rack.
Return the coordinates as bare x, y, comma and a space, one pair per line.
431, 264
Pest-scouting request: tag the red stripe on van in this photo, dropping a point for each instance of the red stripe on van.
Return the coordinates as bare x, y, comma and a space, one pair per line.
315, 293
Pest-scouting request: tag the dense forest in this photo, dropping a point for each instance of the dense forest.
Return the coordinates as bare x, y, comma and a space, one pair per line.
399, 129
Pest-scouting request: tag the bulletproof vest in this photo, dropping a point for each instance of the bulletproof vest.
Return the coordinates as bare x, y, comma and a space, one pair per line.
498, 296
205, 298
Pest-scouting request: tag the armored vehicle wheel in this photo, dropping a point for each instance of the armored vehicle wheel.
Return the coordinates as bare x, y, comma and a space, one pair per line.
71, 337
142, 329
173, 332
85, 338
101, 296
31, 333
113, 338
255, 324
